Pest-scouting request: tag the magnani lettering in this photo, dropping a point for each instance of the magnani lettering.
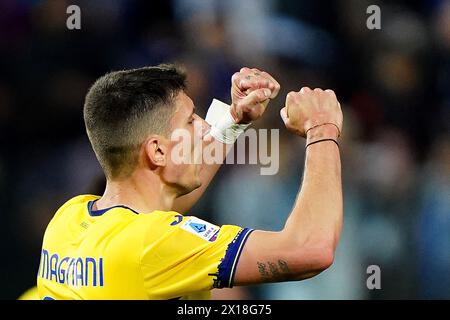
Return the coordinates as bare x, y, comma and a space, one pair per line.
72, 271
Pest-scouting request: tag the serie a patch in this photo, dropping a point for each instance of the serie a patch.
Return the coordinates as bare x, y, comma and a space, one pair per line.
201, 228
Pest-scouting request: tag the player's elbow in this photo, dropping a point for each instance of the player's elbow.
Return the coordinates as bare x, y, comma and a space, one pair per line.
325, 258
321, 258
311, 260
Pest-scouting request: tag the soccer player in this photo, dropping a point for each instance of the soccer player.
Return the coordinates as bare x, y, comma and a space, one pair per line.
134, 242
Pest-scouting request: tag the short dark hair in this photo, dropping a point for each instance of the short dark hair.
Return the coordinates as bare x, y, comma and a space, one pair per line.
124, 107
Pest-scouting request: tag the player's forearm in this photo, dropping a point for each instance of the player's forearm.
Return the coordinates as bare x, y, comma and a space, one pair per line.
318, 211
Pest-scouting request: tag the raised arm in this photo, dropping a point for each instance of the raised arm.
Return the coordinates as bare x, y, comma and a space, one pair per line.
251, 91
306, 245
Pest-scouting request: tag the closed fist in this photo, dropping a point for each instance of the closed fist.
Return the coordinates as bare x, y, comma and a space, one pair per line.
251, 91
309, 109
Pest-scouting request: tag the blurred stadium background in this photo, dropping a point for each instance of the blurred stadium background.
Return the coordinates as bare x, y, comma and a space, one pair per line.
394, 85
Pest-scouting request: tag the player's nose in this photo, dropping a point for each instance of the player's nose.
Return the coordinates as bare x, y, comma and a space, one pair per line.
202, 127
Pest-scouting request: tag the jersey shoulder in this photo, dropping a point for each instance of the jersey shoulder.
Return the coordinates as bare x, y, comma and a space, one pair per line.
80, 199
77, 200
72, 205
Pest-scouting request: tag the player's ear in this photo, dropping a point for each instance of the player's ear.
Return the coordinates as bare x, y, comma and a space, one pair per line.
156, 152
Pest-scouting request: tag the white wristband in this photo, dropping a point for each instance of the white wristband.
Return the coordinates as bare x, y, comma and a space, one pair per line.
223, 127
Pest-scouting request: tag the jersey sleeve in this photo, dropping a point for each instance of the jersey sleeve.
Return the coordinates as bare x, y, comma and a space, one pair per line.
192, 255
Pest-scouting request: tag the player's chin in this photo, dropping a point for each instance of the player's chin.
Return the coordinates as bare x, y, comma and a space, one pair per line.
197, 184
188, 188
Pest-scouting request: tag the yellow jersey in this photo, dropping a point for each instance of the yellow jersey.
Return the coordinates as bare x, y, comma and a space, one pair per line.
118, 253
30, 294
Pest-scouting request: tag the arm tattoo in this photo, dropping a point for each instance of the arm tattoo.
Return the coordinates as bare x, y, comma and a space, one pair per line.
284, 267
277, 273
273, 269
262, 271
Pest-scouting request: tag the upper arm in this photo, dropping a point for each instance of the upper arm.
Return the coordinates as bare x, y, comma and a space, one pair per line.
273, 257
191, 255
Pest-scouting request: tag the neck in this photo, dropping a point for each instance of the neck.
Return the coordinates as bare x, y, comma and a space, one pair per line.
143, 193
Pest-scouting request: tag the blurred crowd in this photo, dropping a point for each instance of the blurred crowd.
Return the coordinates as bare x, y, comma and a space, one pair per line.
394, 88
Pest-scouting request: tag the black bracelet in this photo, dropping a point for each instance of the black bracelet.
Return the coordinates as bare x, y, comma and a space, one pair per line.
321, 140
